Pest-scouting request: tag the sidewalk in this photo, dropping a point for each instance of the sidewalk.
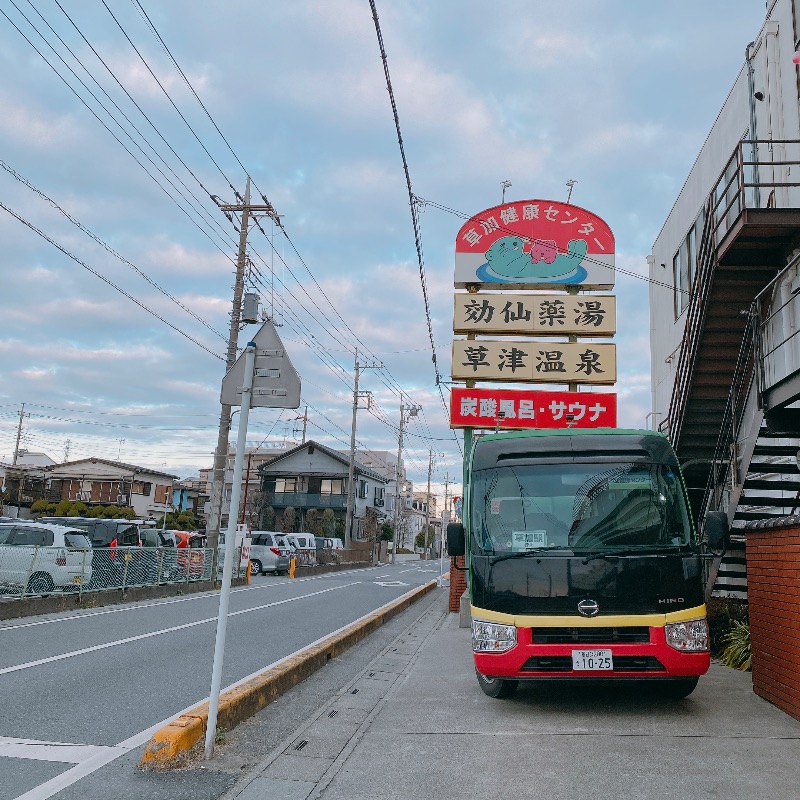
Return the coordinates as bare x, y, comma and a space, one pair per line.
415, 724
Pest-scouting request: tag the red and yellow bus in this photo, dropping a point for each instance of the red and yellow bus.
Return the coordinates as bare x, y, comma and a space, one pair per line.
583, 562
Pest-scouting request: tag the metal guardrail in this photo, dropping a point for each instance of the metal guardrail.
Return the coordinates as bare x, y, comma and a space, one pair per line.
28, 571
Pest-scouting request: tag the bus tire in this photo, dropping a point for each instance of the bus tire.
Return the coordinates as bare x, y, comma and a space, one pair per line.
496, 687
678, 688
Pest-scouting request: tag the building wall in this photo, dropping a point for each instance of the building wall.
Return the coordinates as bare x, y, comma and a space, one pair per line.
776, 117
774, 598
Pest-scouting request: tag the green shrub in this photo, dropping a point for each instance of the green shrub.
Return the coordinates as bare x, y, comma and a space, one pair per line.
737, 650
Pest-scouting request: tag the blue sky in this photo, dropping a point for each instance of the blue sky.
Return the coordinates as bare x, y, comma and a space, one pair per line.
618, 96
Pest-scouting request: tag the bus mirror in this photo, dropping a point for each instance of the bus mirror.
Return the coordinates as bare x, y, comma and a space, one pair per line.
717, 530
456, 544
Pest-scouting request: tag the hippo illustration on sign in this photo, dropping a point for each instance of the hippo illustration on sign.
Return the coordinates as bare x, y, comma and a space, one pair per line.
535, 243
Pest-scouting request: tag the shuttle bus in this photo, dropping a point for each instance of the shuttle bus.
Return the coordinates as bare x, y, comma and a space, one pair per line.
583, 561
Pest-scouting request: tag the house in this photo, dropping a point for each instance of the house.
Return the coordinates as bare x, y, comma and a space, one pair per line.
725, 302
313, 476
98, 481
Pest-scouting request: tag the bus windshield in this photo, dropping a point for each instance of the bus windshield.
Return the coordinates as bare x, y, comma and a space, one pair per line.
582, 507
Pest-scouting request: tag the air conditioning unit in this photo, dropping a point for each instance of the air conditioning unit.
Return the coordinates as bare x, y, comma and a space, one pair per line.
379, 503
122, 499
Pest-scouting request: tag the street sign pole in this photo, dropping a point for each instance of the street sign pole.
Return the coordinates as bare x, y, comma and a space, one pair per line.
230, 549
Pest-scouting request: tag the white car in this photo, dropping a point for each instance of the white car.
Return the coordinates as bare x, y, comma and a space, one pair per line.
39, 558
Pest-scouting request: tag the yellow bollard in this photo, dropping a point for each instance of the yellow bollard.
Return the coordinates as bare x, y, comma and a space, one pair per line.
248, 573
291, 567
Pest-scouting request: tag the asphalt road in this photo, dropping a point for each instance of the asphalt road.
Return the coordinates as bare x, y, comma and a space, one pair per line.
75, 686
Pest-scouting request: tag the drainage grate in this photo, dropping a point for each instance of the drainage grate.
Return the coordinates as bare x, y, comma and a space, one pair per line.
355, 691
300, 745
333, 712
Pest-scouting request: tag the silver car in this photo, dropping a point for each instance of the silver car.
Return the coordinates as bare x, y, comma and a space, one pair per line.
269, 552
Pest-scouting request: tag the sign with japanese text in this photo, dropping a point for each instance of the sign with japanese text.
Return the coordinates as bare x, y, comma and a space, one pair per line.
543, 314
534, 361
535, 244
512, 408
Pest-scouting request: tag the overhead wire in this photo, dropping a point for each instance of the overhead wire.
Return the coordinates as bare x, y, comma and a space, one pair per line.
106, 280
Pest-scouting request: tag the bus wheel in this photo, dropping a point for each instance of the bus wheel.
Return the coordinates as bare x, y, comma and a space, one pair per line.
678, 688
496, 687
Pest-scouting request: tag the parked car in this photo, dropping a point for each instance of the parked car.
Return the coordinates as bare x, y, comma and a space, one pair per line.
110, 568
39, 557
269, 552
191, 553
164, 556
334, 544
306, 546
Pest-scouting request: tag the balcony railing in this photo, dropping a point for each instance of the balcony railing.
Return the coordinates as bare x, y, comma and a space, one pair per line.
308, 500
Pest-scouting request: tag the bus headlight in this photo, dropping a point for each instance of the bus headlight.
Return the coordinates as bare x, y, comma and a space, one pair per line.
689, 636
491, 637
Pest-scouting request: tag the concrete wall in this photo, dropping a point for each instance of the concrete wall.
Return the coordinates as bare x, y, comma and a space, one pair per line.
773, 577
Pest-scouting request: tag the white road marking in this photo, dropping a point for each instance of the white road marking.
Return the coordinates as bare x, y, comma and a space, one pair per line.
198, 596
105, 645
49, 751
390, 583
46, 790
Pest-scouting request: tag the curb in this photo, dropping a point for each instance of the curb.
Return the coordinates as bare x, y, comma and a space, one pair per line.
243, 700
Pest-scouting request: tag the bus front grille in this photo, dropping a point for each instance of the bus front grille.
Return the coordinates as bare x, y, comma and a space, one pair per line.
624, 635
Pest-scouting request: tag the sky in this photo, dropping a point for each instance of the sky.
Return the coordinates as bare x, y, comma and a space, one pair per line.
117, 266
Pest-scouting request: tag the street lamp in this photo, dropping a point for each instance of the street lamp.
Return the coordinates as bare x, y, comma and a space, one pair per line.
504, 185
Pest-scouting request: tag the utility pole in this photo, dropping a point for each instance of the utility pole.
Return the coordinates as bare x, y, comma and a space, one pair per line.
351, 466
305, 425
22, 416
428, 501
406, 412
247, 211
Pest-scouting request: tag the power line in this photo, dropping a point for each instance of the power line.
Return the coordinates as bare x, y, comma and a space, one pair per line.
106, 280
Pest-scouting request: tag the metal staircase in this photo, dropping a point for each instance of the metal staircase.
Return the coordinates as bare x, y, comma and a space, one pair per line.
737, 443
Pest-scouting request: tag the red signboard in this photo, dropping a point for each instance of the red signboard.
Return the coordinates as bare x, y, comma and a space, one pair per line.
535, 243
513, 408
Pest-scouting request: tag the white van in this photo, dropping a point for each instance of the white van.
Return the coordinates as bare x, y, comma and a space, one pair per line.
39, 558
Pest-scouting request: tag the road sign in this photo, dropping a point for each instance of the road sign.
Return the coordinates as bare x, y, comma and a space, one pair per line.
275, 382
513, 409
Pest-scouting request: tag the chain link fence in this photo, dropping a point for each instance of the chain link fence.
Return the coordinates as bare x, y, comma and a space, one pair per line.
26, 571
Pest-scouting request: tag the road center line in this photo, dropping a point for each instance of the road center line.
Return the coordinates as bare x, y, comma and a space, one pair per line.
128, 640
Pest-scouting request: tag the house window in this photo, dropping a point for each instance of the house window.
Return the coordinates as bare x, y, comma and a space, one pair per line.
285, 485
162, 495
363, 486
332, 486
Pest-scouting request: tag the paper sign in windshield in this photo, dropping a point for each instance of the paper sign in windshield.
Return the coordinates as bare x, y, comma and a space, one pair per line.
527, 540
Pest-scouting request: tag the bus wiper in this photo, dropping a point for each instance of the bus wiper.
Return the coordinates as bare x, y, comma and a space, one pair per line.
633, 551
523, 553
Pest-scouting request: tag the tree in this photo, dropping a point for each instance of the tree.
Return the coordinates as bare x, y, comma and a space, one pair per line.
314, 521
62, 509
97, 512
39, 507
371, 525
178, 521
328, 523
268, 519
425, 541
77, 509
386, 532
287, 520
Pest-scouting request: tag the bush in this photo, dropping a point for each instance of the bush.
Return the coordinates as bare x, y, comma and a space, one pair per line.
737, 651
39, 507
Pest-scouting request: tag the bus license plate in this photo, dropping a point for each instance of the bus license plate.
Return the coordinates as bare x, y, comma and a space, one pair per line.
591, 660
